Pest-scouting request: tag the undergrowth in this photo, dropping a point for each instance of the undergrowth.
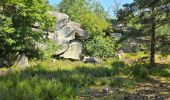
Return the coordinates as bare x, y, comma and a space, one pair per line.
63, 80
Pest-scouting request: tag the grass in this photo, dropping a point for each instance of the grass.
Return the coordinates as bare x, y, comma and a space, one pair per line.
158, 57
61, 80
65, 80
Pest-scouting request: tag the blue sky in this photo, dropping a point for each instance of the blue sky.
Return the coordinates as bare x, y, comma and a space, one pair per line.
106, 3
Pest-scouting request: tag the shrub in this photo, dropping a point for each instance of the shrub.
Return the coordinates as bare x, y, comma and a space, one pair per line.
118, 67
140, 71
100, 46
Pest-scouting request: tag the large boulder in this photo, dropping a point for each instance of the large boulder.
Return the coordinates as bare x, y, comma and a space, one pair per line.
74, 51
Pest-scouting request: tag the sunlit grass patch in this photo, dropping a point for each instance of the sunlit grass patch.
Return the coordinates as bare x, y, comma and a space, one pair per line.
66, 79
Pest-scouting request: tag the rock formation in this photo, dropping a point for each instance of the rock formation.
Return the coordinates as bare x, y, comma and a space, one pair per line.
21, 61
68, 35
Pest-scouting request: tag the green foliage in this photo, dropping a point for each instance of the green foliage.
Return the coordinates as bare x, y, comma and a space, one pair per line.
48, 23
163, 38
105, 82
65, 79
163, 30
160, 70
47, 50
45, 81
30, 89
101, 46
18, 18
93, 24
6, 27
140, 71
87, 16
119, 67
150, 19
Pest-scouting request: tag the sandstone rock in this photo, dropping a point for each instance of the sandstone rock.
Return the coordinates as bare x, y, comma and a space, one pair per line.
61, 19
73, 25
60, 39
21, 61
66, 32
67, 35
42, 46
117, 36
81, 34
74, 51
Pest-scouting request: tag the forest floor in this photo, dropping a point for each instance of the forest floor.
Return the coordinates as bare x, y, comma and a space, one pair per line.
62, 80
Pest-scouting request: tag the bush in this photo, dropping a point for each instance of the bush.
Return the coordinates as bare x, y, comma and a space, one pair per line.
101, 46
140, 71
118, 67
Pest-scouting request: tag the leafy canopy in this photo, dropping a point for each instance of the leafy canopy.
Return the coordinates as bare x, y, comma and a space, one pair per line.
18, 18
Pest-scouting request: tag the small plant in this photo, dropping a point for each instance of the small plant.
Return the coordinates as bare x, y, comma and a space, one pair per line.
122, 83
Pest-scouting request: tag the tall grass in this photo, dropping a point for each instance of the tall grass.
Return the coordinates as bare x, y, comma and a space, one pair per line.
63, 80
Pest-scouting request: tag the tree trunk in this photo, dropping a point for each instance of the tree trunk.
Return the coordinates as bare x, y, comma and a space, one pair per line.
153, 42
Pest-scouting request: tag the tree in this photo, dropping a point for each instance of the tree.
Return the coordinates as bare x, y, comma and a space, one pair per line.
154, 14
17, 18
147, 17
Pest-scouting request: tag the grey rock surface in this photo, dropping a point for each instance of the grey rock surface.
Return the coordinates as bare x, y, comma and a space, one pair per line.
68, 35
21, 61
61, 19
74, 50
